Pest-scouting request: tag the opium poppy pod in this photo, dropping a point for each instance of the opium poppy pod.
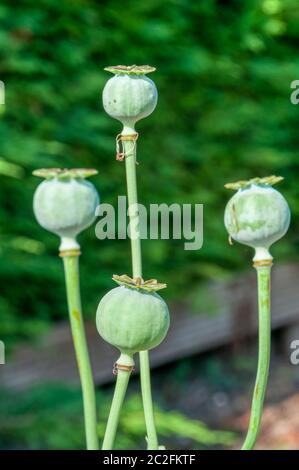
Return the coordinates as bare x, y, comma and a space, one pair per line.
257, 215
130, 95
65, 203
133, 317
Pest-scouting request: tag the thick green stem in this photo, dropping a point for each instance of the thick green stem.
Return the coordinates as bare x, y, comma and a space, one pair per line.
263, 276
117, 402
130, 152
71, 269
130, 159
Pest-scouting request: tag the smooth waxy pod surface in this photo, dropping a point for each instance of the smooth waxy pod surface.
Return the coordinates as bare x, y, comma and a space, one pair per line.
130, 95
133, 317
65, 203
257, 215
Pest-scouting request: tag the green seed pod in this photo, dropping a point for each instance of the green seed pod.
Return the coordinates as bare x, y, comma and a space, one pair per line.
130, 96
133, 317
65, 203
257, 215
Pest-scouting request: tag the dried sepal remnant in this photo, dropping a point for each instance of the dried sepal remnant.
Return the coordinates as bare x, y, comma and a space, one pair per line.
130, 69
152, 285
267, 180
65, 172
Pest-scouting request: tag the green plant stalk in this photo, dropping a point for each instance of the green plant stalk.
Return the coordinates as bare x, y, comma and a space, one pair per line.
263, 276
71, 270
130, 159
117, 402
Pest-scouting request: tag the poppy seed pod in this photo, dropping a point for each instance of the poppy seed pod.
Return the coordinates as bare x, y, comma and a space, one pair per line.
130, 95
257, 215
133, 317
65, 203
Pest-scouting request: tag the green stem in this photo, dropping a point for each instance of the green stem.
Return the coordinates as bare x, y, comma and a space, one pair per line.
71, 269
130, 159
263, 276
121, 386
145, 378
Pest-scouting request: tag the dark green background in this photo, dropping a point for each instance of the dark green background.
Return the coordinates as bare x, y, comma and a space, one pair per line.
223, 74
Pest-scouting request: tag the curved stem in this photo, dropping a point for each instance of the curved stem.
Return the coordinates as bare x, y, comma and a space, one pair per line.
263, 276
71, 269
130, 159
117, 402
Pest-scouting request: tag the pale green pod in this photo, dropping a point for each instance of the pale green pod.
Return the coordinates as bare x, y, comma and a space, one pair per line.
257, 215
65, 203
130, 95
132, 319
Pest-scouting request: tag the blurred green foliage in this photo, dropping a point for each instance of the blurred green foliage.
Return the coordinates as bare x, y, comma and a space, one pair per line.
50, 417
223, 73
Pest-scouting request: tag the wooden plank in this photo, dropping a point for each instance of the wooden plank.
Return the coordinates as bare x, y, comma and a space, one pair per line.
52, 360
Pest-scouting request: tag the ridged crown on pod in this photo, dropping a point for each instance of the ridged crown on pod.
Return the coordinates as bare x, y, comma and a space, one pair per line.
257, 215
133, 317
65, 203
130, 95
